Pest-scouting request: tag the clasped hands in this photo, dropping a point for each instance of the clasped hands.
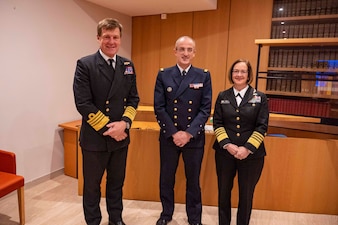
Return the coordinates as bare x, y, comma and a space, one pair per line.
116, 130
239, 152
181, 138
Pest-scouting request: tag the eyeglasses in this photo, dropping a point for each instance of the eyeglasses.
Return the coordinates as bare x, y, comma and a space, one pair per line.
239, 71
181, 50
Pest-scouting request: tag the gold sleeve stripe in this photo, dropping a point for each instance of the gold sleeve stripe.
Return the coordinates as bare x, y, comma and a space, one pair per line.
220, 134
98, 120
130, 112
256, 139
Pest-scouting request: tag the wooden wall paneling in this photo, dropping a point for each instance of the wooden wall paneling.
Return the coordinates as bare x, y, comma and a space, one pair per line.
211, 30
175, 26
249, 20
146, 54
218, 42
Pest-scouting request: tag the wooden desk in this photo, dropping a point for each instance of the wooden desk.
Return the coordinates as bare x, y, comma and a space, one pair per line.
146, 113
70, 145
300, 174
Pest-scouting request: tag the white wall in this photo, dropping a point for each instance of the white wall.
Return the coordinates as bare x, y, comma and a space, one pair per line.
40, 41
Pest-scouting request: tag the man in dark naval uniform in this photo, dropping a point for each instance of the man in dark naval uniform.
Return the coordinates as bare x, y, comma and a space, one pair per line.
106, 96
182, 103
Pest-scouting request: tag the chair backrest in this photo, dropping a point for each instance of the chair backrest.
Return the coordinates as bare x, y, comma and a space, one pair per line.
7, 162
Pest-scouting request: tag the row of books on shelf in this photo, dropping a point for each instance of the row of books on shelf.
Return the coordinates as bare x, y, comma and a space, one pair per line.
306, 84
300, 107
305, 30
283, 83
323, 85
287, 8
317, 58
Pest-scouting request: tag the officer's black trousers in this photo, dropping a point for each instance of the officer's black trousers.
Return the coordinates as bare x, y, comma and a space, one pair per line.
248, 172
94, 165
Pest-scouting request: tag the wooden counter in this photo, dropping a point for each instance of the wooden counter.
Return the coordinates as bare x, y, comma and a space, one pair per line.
70, 146
300, 174
146, 113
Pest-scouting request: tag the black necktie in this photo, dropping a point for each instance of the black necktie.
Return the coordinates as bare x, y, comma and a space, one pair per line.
238, 100
111, 63
183, 74
239, 95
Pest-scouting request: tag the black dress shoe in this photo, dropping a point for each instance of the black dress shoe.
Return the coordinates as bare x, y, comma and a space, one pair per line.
162, 222
117, 223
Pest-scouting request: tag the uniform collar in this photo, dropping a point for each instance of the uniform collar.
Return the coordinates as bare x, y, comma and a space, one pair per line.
181, 69
241, 92
107, 57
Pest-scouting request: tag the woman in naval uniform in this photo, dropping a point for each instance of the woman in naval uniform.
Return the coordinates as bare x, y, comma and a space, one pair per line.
240, 123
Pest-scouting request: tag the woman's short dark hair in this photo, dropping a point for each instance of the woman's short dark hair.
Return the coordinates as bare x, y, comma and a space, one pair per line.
250, 73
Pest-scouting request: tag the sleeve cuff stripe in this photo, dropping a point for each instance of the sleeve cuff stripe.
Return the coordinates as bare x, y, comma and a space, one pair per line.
220, 134
256, 139
130, 112
95, 118
98, 120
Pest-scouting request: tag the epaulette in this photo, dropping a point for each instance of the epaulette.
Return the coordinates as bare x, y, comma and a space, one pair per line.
206, 70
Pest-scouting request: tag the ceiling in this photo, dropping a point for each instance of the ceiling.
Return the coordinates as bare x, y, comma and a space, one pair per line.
155, 7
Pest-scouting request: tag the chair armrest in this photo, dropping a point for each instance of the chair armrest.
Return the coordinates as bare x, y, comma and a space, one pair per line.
7, 162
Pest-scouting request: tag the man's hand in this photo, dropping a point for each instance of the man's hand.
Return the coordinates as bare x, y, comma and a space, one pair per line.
181, 138
117, 130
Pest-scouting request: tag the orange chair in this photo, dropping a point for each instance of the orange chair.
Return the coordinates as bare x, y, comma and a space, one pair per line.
9, 181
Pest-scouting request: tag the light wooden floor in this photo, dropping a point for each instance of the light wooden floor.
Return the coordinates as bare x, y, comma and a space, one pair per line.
54, 201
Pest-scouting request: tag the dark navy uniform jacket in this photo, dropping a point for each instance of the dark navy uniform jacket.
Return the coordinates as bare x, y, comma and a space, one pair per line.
182, 105
101, 97
244, 125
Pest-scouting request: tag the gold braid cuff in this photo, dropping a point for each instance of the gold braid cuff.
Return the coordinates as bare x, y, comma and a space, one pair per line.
256, 139
130, 112
221, 134
98, 120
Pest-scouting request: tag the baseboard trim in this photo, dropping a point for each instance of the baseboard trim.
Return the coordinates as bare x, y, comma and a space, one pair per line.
44, 178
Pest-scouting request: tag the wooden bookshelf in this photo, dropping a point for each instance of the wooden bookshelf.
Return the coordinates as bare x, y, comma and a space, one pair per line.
335, 70
302, 65
306, 18
298, 42
309, 95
